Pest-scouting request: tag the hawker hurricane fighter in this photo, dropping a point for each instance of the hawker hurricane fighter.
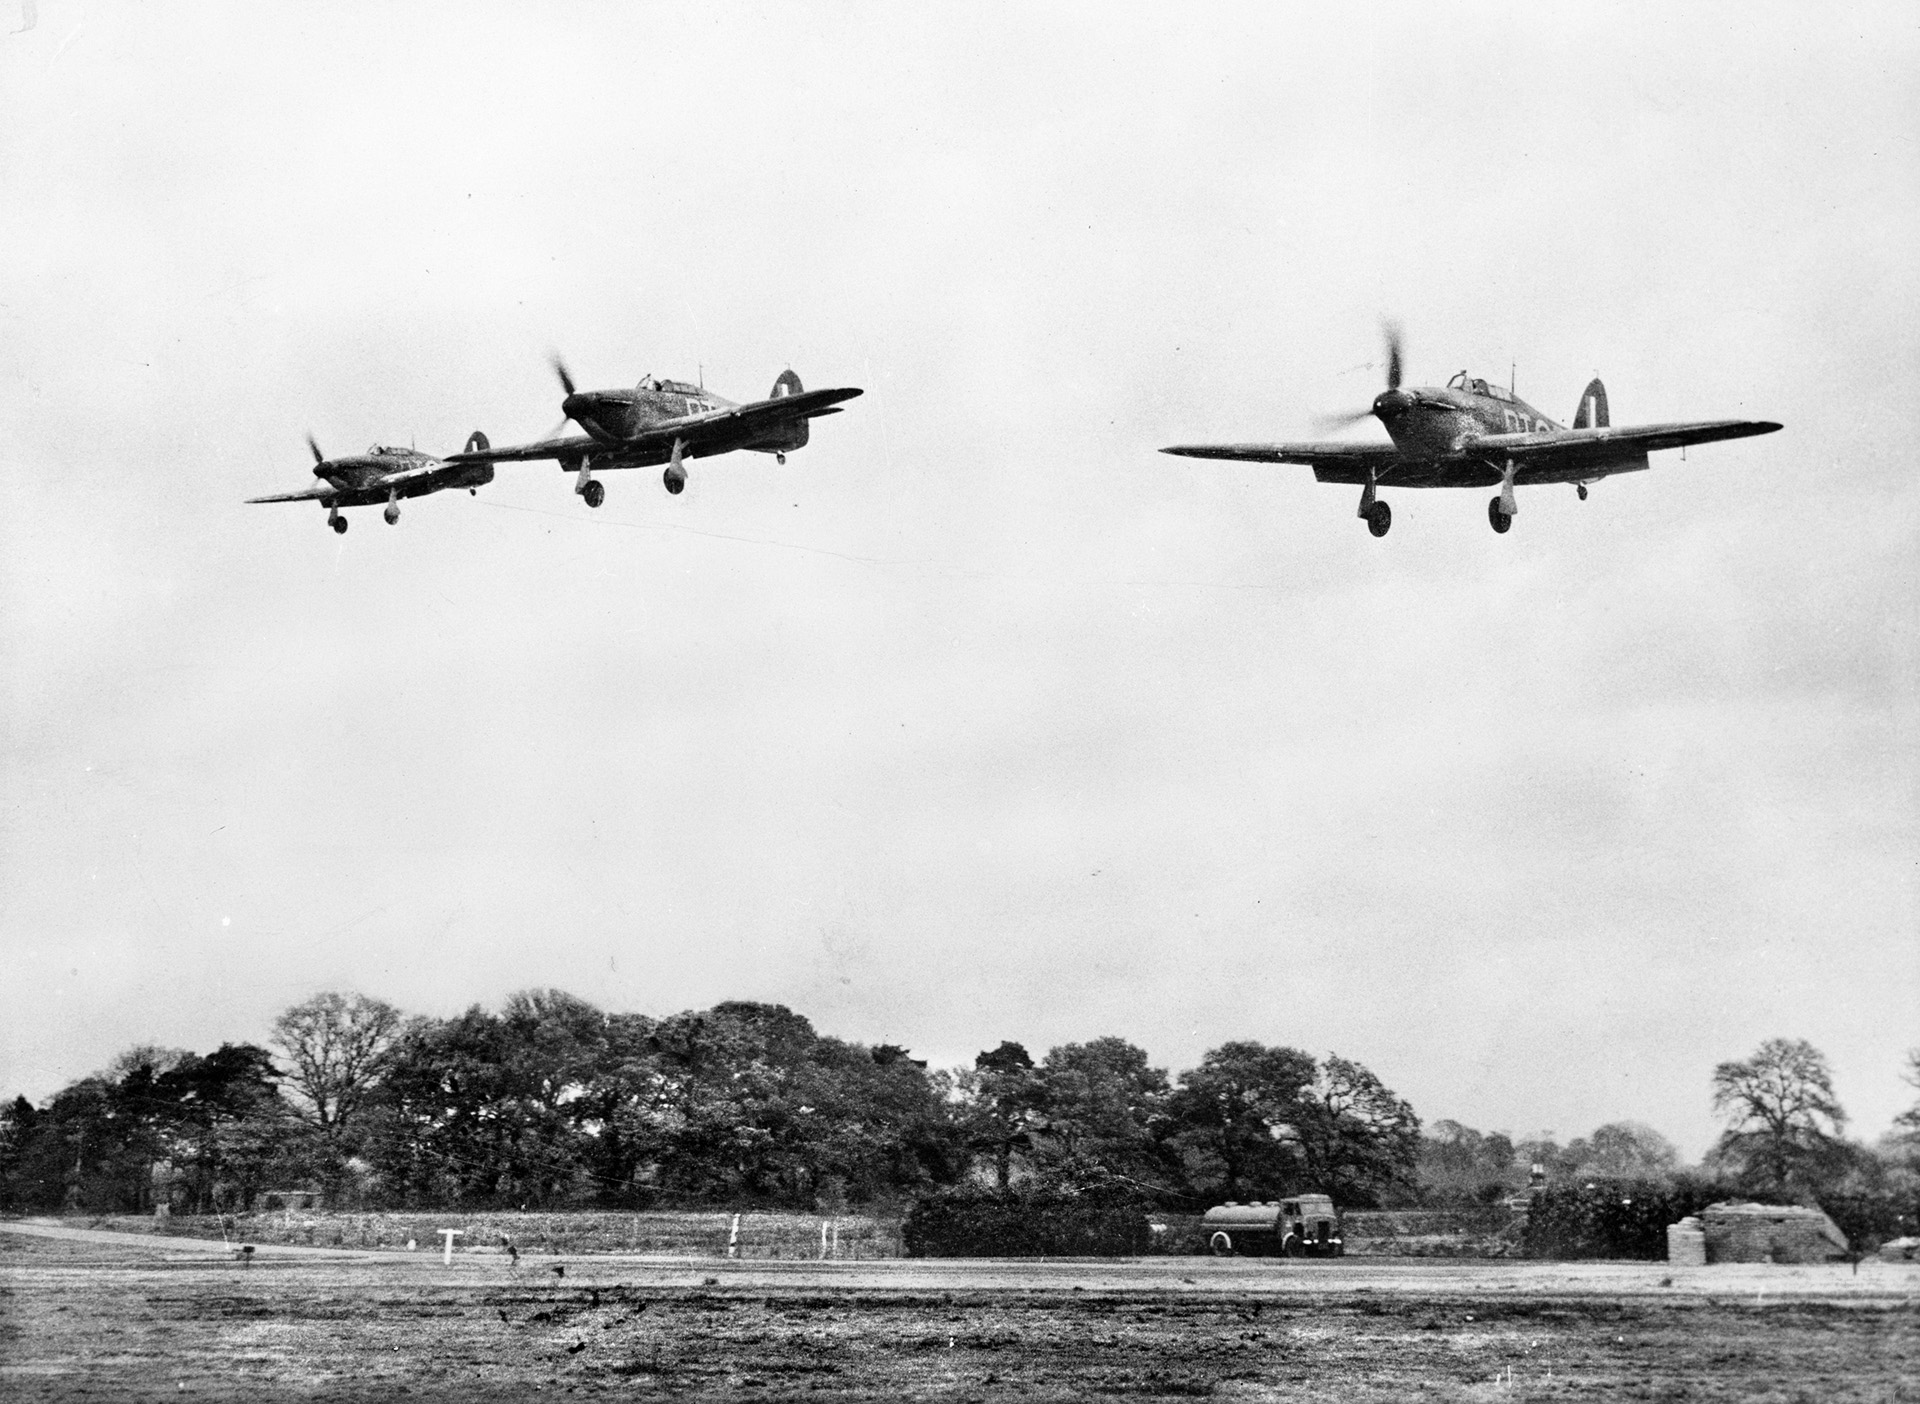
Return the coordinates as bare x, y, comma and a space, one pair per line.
385, 474
670, 422
1473, 434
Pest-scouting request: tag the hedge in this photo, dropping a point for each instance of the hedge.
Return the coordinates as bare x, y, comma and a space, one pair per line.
1613, 1218
1028, 1223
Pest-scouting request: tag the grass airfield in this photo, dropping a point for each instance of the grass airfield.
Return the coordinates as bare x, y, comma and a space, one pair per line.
109, 1316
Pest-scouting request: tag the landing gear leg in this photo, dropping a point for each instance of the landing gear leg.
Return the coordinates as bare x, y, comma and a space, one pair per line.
1501, 510
593, 493
1375, 513
675, 477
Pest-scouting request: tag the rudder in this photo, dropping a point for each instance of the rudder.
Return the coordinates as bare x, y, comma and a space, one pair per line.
1592, 413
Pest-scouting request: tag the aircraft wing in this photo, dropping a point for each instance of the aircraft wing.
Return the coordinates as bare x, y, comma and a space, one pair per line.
318, 492
1560, 446
1332, 461
1331, 454
573, 446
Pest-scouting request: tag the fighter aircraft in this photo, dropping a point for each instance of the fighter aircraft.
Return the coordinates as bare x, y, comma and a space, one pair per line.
667, 421
1471, 433
385, 474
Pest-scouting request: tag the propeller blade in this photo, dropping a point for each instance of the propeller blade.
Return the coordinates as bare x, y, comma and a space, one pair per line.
1329, 422
318, 457
560, 369
1392, 330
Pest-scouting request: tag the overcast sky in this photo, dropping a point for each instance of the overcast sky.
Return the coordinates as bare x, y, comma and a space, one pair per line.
980, 719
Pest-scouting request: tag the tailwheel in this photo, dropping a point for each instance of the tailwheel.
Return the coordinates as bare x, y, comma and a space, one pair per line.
1581, 488
339, 525
676, 481
781, 459
594, 493
1379, 518
1497, 515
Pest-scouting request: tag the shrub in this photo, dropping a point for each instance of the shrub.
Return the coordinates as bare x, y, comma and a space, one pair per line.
1028, 1223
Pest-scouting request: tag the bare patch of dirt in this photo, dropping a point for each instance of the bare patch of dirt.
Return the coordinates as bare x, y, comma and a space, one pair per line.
105, 1322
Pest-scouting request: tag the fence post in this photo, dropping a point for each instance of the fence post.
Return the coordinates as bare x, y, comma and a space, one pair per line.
733, 1238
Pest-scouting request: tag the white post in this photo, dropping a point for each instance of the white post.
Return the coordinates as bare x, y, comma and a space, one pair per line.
823, 1238
836, 1238
733, 1239
449, 1235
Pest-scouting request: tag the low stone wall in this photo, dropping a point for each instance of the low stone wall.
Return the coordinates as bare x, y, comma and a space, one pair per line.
1492, 1232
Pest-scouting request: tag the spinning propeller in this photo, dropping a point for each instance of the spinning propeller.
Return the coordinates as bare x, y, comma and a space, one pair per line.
1389, 403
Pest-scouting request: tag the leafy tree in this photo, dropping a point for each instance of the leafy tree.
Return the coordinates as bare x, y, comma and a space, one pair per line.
220, 1119
1000, 1100
1459, 1166
1784, 1121
1359, 1141
21, 1175
1101, 1103
463, 1120
1230, 1113
1624, 1150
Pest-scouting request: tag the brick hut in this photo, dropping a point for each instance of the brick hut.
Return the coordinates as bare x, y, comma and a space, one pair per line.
1770, 1233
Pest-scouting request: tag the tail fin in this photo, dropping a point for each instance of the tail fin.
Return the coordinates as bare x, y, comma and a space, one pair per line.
787, 384
476, 443
1592, 413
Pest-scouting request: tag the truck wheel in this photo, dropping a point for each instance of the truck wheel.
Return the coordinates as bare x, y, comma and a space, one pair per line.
1220, 1245
1293, 1247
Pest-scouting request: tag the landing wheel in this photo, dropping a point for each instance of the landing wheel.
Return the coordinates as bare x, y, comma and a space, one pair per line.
676, 482
781, 459
1581, 488
1220, 1245
392, 514
1379, 518
1496, 515
339, 525
594, 493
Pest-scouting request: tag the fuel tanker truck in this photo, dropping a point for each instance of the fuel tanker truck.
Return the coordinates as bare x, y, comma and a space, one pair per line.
1304, 1226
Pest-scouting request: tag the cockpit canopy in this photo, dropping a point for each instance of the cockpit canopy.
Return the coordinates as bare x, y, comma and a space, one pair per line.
669, 387
1473, 385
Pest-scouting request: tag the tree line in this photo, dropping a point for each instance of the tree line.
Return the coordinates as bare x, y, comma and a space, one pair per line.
552, 1103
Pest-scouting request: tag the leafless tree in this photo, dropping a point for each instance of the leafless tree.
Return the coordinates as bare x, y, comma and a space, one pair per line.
1784, 1121
336, 1046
